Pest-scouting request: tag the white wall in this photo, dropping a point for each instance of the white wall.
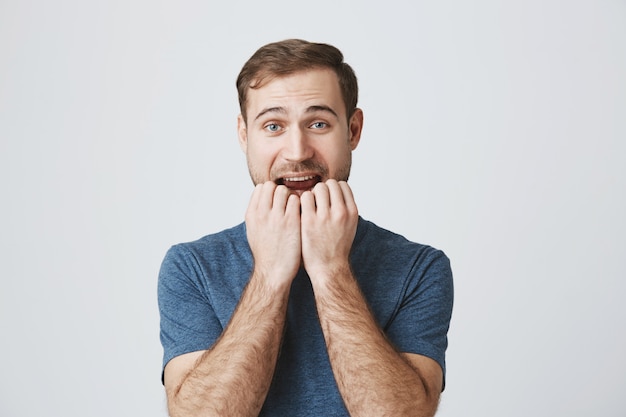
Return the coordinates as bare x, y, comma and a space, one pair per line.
494, 130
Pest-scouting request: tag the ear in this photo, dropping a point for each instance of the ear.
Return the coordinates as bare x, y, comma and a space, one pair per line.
242, 132
356, 126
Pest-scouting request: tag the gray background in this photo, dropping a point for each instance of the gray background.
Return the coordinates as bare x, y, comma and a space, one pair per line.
493, 130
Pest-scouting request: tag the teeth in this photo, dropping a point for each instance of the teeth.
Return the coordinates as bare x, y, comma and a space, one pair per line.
294, 179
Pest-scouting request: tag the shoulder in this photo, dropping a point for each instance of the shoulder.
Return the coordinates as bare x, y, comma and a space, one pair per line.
386, 261
385, 244
215, 245
216, 254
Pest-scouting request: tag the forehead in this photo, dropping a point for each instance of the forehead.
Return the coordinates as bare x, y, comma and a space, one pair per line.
297, 91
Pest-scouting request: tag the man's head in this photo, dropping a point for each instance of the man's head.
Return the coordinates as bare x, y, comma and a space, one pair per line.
299, 122
287, 57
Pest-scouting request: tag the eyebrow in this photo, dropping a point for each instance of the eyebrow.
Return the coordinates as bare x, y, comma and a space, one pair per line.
323, 108
310, 109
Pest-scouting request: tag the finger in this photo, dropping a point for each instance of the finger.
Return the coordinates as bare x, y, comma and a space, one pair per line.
254, 198
307, 203
281, 194
266, 199
348, 197
335, 193
293, 206
322, 198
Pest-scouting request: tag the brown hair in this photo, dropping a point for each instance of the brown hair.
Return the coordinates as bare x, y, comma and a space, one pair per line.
286, 57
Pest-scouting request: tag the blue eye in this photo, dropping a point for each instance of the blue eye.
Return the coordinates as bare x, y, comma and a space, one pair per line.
272, 127
319, 125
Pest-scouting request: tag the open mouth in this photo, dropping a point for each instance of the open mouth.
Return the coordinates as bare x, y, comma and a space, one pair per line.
302, 183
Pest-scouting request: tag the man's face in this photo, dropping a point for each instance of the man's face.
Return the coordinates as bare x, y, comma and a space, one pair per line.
297, 133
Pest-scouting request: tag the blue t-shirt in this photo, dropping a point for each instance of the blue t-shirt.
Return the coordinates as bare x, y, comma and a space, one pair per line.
407, 285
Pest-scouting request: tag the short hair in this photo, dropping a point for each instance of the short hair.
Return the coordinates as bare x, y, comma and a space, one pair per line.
279, 59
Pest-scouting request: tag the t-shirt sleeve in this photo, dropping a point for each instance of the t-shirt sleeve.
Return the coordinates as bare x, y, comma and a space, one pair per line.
423, 318
188, 321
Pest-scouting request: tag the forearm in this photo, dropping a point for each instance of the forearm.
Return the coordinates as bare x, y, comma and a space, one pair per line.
373, 378
233, 377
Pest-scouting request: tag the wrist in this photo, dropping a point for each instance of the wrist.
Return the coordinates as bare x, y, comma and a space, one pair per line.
272, 282
328, 274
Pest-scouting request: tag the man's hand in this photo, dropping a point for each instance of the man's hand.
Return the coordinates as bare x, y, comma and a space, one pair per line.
329, 222
233, 377
273, 230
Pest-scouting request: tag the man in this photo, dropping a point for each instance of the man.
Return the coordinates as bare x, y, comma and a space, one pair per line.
306, 309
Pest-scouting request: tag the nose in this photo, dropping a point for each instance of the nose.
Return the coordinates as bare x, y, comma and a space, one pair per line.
297, 147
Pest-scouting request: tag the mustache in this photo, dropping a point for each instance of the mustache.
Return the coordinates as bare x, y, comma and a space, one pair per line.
308, 165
